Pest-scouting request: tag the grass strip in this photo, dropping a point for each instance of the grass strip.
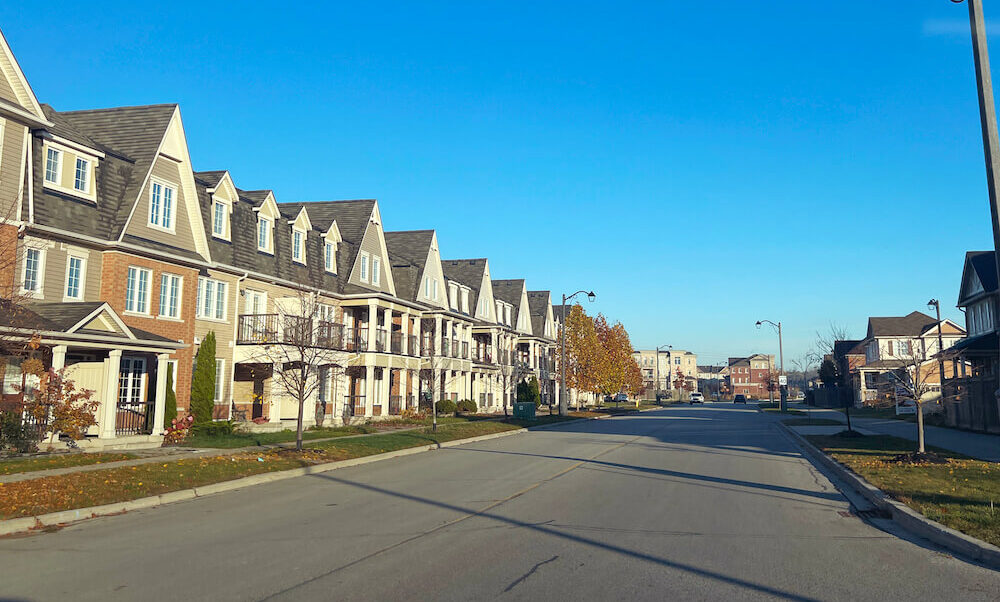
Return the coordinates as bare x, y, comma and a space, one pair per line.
83, 489
963, 494
778, 411
813, 422
8, 467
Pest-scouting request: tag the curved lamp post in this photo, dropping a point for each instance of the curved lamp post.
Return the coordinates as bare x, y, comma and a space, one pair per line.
781, 360
563, 406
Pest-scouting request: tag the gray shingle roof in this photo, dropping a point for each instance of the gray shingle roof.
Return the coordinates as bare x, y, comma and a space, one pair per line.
408, 251
538, 304
913, 324
468, 272
509, 291
351, 216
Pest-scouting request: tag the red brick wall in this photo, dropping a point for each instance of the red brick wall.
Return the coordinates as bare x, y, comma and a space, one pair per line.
114, 274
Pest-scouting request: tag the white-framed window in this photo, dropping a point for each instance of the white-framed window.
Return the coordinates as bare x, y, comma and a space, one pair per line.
427, 287
161, 205
170, 296
453, 296
255, 302
364, 267
137, 290
81, 178
465, 300
131, 383
34, 263
211, 299
330, 257
53, 165
904, 348
220, 371
434, 289
298, 246
376, 270
75, 270
220, 220
506, 311
264, 238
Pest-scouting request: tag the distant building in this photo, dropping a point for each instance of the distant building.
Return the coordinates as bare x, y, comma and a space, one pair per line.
672, 363
748, 375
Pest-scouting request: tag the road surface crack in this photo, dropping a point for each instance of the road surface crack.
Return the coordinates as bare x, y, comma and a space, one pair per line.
525, 576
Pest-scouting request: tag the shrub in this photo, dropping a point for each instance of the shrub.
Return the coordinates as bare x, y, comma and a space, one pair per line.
203, 382
170, 405
446, 406
16, 435
221, 428
467, 405
527, 392
178, 430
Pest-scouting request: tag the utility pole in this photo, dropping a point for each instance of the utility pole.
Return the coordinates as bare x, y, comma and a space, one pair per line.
781, 360
988, 122
937, 307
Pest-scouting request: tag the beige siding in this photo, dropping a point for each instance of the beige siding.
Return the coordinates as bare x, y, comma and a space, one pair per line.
372, 244
11, 166
224, 331
7, 92
183, 237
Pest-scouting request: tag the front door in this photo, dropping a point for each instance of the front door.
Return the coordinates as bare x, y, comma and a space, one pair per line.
258, 398
134, 413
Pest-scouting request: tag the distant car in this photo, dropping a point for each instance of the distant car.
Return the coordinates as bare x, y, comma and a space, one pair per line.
697, 397
621, 398
740, 398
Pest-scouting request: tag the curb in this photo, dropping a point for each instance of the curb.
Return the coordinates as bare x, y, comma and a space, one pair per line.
903, 515
29, 523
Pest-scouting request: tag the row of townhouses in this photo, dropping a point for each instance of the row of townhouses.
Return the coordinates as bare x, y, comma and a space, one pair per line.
129, 256
671, 371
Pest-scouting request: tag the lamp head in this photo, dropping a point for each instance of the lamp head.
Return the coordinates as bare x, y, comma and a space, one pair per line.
591, 296
759, 323
932, 303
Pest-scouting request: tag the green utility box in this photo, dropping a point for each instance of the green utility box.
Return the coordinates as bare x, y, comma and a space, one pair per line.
524, 411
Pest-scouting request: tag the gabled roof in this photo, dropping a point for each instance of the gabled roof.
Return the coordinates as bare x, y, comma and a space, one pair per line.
913, 324
74, 317
408, 251
979, 266
352, 217
135, 132
210, 179
468, 272
848, 347
538, 308
509, 291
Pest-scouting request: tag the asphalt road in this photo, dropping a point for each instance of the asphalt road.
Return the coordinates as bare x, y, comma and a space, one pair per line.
707, 503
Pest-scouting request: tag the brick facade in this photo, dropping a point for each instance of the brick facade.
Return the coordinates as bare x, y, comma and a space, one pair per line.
114, 275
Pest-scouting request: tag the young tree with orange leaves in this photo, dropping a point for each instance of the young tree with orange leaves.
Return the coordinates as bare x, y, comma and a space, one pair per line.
583, 351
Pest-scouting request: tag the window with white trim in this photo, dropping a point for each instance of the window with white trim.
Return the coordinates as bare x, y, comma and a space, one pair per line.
81, 178
465, 300
211, 299
220, 371
53, 164
32, 281
170, 296
364, 267
376, 270
434, 288
220, 219
161, 205
74, 277
330, 257
264, 237
137, 290
298, 246
427, 287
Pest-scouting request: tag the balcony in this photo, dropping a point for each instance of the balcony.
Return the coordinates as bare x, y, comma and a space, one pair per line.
395, 405
330, 335
445, 347
381, 337
276, 329
357, 339
427, 346
465, 349
483, 354
396, 343
411, 346
356, 403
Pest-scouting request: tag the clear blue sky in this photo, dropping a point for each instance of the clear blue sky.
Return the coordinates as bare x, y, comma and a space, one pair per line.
698, 165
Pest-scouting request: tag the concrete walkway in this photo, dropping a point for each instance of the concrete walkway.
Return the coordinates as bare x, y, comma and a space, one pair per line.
975, 445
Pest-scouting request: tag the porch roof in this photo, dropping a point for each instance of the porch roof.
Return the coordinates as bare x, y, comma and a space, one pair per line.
79, 321
984, 344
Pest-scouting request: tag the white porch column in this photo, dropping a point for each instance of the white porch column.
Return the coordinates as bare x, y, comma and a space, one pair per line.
372, 321
388, 330
369, 389
275, 397
405, 335
437, 336
58, 357
109, 412
160, 406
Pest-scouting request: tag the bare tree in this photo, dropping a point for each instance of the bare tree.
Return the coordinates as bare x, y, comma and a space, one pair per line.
915, 378
300, 340
825, 341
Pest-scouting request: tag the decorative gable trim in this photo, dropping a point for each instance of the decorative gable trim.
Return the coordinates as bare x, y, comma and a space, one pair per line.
10, 69
105, 312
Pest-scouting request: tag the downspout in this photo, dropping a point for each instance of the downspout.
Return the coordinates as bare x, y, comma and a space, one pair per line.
232, 356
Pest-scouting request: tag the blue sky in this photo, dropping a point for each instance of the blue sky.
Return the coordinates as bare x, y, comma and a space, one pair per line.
698, 166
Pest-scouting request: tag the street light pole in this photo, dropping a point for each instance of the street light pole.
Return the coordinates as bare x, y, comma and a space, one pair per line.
781, 363
563, 406
988, 123
656, 386
937, 307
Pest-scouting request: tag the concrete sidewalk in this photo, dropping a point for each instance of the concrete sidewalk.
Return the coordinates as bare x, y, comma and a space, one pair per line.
981, 446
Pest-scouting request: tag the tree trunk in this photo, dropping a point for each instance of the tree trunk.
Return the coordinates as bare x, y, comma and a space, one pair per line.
302, 407
920, 427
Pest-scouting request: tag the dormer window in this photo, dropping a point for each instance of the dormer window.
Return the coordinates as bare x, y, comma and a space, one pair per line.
264, 238
465, 300
453, 296
298, 246
220, 219
161, 206
81, 179
330, 257
53, 165
376, 271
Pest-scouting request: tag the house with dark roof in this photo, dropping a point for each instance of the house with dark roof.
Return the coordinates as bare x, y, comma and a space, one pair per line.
749, 375
970, 383
894, 343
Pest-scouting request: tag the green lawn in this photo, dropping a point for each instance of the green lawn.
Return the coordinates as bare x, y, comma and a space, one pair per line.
239, 439
958, 494
59, 461
83, 489
812, 422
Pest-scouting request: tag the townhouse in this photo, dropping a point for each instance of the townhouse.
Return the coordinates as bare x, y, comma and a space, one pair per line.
665, 369
748, 375
126, 259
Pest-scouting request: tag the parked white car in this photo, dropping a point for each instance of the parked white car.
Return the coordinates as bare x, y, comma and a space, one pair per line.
621, 398
697, 397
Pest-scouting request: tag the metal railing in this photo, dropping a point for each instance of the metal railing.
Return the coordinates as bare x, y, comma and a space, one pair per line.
356, 403
396, 343
357, 339
465, 350
412, 348
134, 418
257, 329
395, 405
445, 347
380, 340
330, 335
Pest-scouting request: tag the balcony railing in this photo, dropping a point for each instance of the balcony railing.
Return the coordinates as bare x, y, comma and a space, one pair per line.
357, 339
445, 347
427, 346
380, 340
395, 405
411, 346
356, 403
276, 329
465, 350
483, 354
330, 335
396, 343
